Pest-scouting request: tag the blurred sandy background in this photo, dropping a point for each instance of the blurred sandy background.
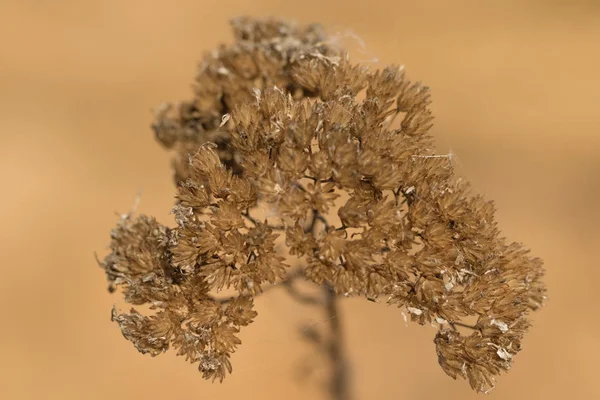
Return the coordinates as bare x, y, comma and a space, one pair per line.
516, 94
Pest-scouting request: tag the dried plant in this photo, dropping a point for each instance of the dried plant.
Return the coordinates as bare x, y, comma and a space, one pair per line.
285, 138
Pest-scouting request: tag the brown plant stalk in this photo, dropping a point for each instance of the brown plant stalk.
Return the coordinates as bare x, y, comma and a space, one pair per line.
289, 153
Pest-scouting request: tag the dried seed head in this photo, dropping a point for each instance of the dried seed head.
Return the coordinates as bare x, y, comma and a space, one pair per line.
338, 159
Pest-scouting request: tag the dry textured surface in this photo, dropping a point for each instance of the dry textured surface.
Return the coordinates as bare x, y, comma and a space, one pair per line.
282, 122
515, 94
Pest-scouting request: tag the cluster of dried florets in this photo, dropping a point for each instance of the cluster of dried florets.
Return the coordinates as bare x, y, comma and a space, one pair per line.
284, 136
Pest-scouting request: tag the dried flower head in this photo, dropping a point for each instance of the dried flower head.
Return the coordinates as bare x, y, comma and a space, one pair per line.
284, 136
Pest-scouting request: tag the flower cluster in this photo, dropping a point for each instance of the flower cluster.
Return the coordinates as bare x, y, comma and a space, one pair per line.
286, 138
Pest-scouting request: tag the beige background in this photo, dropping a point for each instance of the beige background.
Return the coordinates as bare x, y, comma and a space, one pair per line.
516, 94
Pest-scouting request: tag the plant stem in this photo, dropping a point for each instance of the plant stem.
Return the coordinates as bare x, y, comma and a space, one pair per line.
285, 283
339, 378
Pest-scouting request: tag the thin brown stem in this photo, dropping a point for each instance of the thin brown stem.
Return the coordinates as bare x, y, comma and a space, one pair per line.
319, 217
255, 222
291, 276
339, 388
453, 324
246, 214
299, 296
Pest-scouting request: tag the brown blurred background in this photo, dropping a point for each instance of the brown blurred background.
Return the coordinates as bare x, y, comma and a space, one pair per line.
516, 94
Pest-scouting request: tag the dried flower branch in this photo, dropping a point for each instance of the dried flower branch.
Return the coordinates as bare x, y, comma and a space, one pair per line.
285, 137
